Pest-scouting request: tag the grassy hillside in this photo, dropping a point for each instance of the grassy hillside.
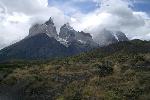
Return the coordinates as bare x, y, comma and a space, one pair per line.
117, 72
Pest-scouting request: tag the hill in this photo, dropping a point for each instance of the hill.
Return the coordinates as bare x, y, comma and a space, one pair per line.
119, 71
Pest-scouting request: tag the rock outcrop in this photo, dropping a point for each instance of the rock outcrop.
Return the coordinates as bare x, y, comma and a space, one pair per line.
48, 27
106, 37
68, 34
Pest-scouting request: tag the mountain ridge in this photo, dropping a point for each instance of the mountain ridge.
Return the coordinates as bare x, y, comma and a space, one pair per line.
43, 42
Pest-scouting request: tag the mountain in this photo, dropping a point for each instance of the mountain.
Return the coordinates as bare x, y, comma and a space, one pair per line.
40, 46
121, 36
106, 37
48, 27
70, 35
43, 42
118, 71
67, 32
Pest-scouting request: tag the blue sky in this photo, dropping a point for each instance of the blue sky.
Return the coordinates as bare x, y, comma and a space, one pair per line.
83, 15
142, 5
84, 6
125, 15
87, 6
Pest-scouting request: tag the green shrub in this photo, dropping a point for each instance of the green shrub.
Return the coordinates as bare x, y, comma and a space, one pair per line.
104, 69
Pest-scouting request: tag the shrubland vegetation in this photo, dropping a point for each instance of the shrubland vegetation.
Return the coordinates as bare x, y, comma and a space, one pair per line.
116, 72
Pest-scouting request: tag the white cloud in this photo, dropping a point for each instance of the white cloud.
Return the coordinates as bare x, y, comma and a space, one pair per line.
115, 15
25, 6
16, 16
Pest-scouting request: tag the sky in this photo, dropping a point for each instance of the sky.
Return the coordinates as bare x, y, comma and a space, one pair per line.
129, 16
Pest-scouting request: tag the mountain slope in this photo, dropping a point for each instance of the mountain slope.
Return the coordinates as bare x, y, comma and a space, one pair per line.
121, 48
40, 46
43, 42
119, 71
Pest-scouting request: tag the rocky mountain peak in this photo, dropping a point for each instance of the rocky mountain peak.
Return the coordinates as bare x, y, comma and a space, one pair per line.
121, 36
106, 37
47, 28
70, 35
86, 34
67, 26
67, 32
50, 21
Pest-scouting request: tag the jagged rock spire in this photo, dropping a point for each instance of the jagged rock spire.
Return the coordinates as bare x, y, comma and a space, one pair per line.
50, 21
67, 32
67, 26
48, 28
106, 37
121, 36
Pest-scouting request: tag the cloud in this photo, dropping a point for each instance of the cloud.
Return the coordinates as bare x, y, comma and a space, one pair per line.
26, 6
114, 15
16, 16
